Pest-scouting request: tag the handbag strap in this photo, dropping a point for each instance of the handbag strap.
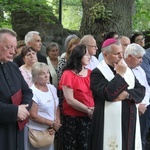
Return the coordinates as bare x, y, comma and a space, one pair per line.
54, 103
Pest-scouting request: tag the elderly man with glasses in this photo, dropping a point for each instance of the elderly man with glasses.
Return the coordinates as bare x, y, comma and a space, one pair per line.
90, 42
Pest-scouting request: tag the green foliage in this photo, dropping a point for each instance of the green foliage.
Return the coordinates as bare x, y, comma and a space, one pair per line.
71, 12
72, 15
99, 12
54, 4
32, 7
141, 18
5, 20
5, 23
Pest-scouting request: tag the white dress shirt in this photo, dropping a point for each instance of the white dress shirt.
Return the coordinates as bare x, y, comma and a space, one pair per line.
141, 76
93, 63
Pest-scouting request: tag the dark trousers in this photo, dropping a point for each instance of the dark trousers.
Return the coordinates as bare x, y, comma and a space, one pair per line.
145, 125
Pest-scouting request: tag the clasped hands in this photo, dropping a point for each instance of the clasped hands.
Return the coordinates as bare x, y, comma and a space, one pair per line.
90, 111
55, 127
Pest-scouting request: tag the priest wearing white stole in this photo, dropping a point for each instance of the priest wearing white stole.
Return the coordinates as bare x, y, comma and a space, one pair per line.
116, 91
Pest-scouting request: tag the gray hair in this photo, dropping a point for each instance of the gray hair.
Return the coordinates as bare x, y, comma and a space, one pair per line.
7, 31
37, 68
107, 49
122, 37
133, 50
29, 36
50, 46
68, 39
86, 39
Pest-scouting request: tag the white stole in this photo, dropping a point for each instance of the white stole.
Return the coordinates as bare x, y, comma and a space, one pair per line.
52, 73
112, 114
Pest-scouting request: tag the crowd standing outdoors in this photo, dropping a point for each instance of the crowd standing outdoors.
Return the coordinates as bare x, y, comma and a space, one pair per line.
116, 92
78, 103
87, 103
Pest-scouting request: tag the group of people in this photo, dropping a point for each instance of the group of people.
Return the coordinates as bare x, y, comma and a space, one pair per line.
136, 58
88, 103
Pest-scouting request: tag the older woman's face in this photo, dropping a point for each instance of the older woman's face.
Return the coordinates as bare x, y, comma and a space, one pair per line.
30, 58
43, 77
54, 52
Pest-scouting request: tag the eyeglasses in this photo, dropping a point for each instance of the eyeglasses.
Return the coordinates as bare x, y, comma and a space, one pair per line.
139, 40
93, 46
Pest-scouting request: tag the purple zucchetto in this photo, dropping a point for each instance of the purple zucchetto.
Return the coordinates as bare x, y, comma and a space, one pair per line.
109, 42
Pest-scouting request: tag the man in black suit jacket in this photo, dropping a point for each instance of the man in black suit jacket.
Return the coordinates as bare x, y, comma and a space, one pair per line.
32, 39
15, 95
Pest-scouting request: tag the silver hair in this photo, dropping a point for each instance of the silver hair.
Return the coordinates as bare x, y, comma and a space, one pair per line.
107, 49
86, 39
37, 68
29, 36
7, 31
120, 37
68, 39
133, 50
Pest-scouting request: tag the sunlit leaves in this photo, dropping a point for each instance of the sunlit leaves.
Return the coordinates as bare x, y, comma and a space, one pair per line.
141, 18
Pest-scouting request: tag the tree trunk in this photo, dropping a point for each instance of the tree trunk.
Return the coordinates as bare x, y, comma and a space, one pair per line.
1, 17
111, 15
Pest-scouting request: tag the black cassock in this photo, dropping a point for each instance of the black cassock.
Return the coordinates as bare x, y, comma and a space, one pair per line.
104, 90
11, 81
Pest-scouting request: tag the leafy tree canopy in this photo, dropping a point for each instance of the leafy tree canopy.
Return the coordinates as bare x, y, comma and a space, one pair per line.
141, 17
71, 12
33, 7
